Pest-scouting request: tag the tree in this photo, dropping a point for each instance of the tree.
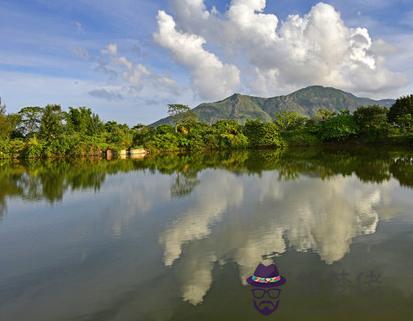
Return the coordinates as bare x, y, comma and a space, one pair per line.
323, 114
290, 120
401, 113
7, 122
372, 120
262, 134
139, 127
163, 137
181, 114
81, 120
30, 119
338, 128
5, 126
226, 134
51, 124
119, 135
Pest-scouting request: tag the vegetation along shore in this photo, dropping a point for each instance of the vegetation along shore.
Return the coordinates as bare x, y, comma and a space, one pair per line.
50, 132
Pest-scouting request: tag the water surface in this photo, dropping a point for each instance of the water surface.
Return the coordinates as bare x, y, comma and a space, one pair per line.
175, 237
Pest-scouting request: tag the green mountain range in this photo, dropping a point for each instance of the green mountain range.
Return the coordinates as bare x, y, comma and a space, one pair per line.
305, 101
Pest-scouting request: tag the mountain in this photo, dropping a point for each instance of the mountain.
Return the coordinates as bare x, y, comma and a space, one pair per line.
305, 101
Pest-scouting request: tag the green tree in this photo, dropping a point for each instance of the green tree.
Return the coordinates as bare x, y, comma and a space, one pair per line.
5, 127
290, 120
30, 119
401, 113
262, 134
181, 114
119, 136
338, 128
139, 127
51, 124
323, 114
33, 148
163, 137
7, 123
81, 120
225, 134
372, 120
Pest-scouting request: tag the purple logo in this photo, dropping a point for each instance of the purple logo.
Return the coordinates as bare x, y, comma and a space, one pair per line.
266, 291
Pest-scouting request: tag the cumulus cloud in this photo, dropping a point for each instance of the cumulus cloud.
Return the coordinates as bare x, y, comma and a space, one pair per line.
211, 78
316, 48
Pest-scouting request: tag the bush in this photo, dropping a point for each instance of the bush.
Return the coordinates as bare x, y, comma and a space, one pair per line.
372, 120
262, 134
5, 148
401, 113
300, 138
226, 134
164, 138
337, 128
59, 147
290, 120
16, 147
33, 148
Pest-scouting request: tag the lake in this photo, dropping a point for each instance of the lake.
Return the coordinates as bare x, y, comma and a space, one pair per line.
176, 237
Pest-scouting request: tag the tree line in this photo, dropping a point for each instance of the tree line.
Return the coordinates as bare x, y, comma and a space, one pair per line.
36, 132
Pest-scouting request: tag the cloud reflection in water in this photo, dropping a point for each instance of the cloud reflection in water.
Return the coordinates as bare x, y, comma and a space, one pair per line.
260, 216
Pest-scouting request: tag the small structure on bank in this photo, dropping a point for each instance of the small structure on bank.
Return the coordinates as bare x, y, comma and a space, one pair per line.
132, 153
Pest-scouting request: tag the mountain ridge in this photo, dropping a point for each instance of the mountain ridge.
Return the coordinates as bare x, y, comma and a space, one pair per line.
306, 101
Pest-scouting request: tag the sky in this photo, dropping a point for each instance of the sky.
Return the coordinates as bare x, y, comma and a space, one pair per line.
128, 59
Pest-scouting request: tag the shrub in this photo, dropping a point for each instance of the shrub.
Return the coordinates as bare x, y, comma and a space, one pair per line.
16, 147
300, 138
226, 134
401, 113
33, 148
337, 128
4, 148
262, 134
372, 120
290, 120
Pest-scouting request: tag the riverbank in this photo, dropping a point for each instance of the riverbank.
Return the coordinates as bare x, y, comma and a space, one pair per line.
289, 142
49, 132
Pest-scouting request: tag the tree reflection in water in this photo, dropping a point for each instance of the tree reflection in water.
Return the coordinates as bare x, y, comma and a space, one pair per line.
49, 180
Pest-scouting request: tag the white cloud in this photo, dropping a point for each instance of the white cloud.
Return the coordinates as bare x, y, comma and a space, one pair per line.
316, 48
211, 78
249, 20
112, 49
135, 76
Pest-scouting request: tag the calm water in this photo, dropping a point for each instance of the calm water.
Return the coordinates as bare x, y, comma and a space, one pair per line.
174, 238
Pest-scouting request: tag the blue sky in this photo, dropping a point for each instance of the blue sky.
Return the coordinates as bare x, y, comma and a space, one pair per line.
128, 59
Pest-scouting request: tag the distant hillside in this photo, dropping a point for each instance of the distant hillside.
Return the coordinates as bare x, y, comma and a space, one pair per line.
305, 101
